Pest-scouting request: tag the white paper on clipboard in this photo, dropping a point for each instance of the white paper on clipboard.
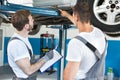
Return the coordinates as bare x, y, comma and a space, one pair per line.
49, 63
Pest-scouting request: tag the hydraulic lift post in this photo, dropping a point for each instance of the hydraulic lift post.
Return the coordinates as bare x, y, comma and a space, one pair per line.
62, 47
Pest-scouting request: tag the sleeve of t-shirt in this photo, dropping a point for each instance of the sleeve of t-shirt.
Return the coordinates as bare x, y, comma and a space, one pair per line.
74, 51
19, 50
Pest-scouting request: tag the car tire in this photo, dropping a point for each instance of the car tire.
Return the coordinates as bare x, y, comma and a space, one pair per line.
35, 30
100, 20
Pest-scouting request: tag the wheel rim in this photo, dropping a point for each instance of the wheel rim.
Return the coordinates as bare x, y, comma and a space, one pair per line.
107, 11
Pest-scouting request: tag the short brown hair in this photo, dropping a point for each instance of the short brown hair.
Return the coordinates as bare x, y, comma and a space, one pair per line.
20, 18
82, 9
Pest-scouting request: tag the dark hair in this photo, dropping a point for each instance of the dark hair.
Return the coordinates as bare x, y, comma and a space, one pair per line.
82, 9
20, 18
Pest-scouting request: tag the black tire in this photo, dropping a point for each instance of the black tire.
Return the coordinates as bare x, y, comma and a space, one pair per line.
110, 29
35, 30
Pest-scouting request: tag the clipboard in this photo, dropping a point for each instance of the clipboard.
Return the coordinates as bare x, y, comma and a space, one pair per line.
56, 57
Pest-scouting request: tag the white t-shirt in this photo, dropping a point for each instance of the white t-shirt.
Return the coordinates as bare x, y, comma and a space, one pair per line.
79, 52
16, 51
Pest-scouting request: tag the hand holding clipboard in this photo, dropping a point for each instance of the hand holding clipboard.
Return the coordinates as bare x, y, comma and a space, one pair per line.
56, 57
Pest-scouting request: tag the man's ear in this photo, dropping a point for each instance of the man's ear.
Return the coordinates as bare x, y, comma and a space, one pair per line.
26, 26
76, 18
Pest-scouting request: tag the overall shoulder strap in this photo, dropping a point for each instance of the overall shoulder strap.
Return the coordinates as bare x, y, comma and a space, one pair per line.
90, 46
96, 72
29, 50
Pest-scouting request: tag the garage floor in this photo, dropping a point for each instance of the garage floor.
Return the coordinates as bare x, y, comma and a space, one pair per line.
7, 74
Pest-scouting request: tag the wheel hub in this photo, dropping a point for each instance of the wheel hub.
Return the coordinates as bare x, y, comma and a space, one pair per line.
113, 6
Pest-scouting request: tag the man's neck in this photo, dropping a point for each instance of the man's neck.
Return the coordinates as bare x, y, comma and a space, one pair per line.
85, 28
22, 33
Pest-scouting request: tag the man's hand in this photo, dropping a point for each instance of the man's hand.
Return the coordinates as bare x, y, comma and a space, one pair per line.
64, 13
49, 55
67, 15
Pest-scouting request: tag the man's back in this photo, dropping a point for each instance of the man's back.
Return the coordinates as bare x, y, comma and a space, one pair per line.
82, 53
